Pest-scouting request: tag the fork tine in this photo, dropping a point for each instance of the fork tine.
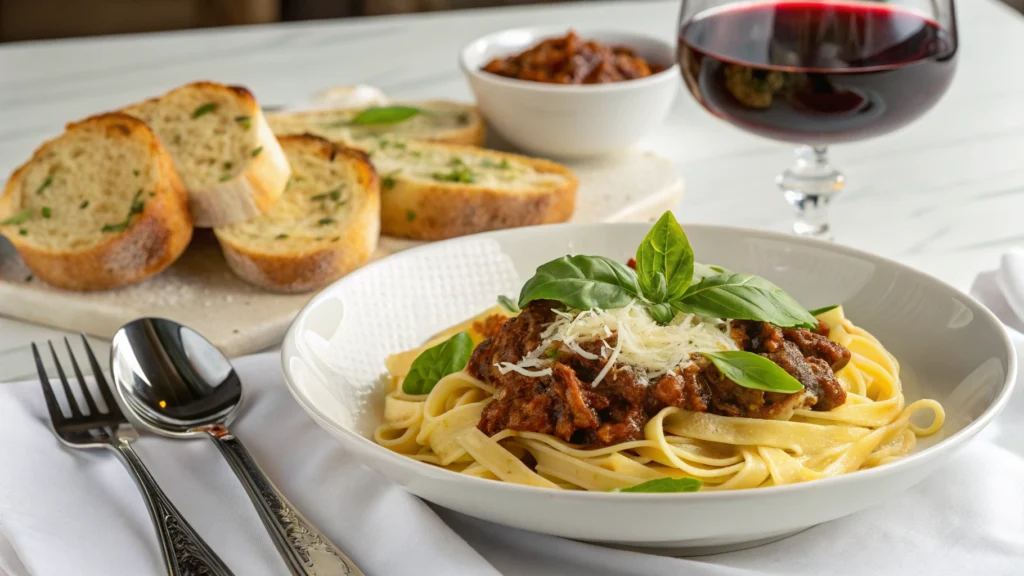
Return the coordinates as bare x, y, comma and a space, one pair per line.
93, 410
97, 373
44, 380
75, 412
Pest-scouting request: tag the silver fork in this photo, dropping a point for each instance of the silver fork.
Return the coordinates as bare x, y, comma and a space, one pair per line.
185, 552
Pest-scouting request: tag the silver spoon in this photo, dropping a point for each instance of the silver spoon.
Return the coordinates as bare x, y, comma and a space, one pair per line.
178, 384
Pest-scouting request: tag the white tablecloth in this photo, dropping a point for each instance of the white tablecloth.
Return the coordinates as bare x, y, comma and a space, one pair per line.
64, 512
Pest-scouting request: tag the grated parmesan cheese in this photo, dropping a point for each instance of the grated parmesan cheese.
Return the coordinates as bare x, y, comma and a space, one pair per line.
506, 367
651, 349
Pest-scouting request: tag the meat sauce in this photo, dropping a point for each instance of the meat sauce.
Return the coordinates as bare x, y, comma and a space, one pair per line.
570, 60
566, 405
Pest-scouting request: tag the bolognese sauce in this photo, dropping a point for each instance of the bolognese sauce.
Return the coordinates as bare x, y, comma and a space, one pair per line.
566, 405
572, 60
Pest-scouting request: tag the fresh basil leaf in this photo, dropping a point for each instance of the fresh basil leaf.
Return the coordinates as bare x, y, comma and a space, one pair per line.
739, 296
753, 371
665, 485
384, 115
582, 282
508, 304
665, 250
661, 313
820, 311
437, 362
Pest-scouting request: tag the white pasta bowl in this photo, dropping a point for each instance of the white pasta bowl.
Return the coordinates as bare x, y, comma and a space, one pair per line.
567, 121
950, 349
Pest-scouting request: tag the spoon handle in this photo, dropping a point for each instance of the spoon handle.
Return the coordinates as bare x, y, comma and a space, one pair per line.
304, 549
185, 552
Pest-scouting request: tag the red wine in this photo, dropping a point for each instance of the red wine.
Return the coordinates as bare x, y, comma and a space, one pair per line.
816, 73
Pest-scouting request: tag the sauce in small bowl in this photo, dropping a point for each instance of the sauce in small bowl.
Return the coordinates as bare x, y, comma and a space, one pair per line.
572, 60
555, 94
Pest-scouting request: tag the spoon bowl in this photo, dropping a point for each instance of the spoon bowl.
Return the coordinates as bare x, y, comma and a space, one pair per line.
172, 378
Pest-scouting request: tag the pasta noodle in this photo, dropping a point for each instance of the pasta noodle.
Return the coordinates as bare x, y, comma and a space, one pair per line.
873, 427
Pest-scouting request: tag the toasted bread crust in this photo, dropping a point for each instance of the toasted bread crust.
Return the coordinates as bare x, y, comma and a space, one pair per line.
253, 191
237, 91
442, 210
315, 268
155, 239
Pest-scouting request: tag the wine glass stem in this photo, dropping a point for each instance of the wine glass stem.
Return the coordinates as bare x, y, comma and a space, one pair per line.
809, 185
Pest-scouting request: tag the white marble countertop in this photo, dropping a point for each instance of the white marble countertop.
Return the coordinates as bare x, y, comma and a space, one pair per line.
945, 194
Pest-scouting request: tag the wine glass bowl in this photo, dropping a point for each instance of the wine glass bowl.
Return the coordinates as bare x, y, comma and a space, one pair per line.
817, 73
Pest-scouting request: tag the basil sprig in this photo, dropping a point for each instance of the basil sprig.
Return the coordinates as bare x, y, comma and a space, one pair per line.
754, 371
437, 362
384, 115
663, 284
664, 485
664, 263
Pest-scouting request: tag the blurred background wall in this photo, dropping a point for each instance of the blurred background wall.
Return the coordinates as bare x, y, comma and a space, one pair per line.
41, 19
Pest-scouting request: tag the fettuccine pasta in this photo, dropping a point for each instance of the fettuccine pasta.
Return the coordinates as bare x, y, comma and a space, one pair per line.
871, 428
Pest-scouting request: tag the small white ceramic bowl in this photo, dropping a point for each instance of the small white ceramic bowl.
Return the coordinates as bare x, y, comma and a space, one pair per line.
570, 120
950, 348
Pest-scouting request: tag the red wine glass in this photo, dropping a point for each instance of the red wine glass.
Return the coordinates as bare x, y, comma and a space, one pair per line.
817, 72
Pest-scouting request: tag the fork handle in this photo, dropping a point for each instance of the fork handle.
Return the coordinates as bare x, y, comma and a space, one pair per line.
303, 547
185, 552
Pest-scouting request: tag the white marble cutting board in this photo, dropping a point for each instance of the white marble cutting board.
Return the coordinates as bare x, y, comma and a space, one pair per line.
201, 292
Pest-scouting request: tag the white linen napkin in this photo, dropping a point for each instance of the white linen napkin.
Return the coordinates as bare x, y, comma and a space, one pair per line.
65, 512
1002, 290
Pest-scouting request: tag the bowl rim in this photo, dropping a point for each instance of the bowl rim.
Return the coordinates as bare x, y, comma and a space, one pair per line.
946, 445
551, 30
